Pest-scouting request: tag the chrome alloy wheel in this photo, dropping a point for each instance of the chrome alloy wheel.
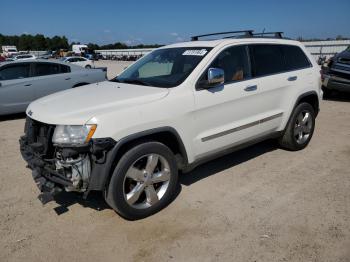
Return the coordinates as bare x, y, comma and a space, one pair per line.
303, 127
146, 181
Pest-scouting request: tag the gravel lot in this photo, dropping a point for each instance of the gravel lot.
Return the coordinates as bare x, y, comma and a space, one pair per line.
258, 204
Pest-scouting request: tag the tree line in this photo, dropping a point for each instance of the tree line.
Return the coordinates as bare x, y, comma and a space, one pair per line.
39, 42
35, 42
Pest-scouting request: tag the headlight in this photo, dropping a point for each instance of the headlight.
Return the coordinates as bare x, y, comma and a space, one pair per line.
73, 134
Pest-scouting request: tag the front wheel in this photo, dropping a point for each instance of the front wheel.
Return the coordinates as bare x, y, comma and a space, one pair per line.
300, 128
143, 182
88, 67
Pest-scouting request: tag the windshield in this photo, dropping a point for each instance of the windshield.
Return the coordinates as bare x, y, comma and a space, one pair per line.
348, 48
164, 67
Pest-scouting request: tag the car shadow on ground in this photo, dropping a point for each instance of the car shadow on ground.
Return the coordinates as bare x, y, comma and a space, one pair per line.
338, 97
95, 200
12, 117
228, 161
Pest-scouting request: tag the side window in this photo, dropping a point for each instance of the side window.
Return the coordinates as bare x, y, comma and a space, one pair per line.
43, 69
295, 57
65, 69
17, 71
267, 59
234, 61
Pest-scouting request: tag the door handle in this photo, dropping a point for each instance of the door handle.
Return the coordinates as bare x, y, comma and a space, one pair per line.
67, 78
251, 88
27, 84
292, 78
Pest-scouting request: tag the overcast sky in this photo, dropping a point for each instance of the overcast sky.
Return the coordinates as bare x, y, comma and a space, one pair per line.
162, 21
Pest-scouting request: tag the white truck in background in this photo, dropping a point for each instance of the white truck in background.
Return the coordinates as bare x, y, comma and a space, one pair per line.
9, 50
79, 49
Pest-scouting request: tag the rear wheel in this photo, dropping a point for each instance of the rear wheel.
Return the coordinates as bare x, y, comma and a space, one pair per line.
143, 182
88, 66
300, 128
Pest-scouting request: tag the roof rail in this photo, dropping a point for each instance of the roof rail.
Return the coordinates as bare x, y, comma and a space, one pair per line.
275, 34
247, 33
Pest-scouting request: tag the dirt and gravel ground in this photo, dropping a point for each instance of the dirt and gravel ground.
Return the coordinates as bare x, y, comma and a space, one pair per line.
258, 204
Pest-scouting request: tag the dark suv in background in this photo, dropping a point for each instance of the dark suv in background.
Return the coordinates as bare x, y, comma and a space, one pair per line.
337, 75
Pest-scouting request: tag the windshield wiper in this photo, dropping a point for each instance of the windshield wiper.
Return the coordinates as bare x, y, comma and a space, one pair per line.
134, 81
115, 80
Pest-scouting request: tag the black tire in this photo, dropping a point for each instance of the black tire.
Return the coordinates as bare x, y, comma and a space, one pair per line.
88, 67
289, 140
115, 190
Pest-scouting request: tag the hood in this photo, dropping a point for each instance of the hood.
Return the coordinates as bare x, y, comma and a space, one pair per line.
344, 55
77, 106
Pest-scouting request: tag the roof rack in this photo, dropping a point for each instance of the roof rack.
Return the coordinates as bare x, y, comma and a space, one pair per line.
274, 34
247, 33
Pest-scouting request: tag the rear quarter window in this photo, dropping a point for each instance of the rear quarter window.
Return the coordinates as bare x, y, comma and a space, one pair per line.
43, 69
295, 57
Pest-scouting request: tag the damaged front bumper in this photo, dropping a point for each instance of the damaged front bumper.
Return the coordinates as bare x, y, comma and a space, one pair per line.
55, 168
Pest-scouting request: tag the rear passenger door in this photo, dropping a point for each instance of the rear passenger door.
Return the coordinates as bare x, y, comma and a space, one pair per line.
280, 72
300, 74
50, 78
80, 62
16, 90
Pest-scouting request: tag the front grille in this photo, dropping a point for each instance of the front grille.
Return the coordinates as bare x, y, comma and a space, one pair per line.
39, 137
341, 67
340, 74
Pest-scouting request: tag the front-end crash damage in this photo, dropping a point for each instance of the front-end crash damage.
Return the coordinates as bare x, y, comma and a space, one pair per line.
58, 167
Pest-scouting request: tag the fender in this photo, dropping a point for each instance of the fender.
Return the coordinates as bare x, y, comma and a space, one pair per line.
102, 171
300, 97
308, 94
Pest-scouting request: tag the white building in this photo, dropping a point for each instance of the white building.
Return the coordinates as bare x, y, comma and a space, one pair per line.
326, 48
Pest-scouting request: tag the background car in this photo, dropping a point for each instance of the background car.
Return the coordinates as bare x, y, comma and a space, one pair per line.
46, 55
336, 76
80, 61
22, 82
24, 57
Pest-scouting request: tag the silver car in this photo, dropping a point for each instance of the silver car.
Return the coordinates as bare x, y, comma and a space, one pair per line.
22, 82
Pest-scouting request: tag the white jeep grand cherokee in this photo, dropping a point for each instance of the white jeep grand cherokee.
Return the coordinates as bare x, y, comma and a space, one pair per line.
178, 106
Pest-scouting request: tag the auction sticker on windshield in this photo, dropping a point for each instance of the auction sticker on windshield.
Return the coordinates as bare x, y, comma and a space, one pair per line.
200, 52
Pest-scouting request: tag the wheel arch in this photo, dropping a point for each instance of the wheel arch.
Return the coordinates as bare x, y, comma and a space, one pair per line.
166, 135
310, 97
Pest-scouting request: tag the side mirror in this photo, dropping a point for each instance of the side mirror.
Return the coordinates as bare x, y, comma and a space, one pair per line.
216, 76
